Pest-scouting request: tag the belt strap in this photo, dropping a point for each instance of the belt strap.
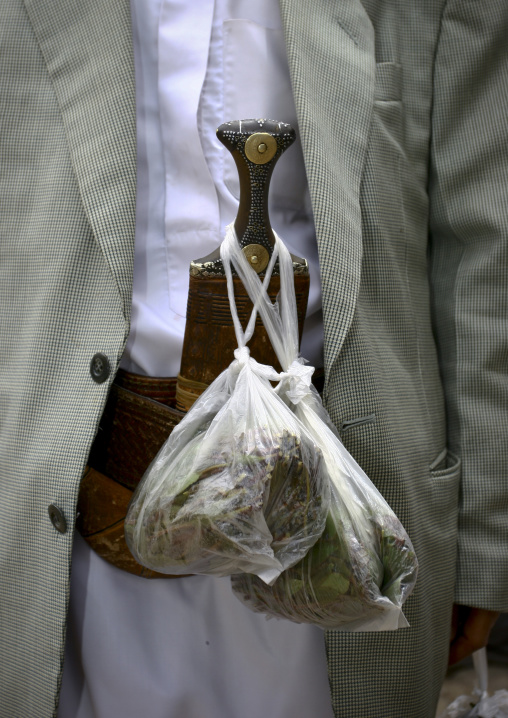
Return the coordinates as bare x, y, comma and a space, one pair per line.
132, 430
161, 389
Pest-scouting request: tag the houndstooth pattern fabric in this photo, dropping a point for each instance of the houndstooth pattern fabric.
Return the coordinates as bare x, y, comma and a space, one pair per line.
67, 187
425, 146
402, 112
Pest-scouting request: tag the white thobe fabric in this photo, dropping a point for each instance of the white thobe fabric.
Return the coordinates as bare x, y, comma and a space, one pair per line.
187, 648
205, 63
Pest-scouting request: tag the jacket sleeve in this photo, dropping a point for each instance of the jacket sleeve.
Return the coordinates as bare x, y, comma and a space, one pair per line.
469, 277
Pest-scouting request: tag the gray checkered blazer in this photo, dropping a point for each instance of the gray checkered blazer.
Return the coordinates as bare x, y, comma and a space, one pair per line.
402, 109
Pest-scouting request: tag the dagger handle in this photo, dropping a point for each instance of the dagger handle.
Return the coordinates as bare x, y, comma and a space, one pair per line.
256, 146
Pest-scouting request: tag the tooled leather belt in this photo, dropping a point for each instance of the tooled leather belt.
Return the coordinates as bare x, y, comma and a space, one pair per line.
138, 418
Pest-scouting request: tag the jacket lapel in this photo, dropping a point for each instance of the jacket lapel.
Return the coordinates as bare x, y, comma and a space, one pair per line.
330, 48
87, 47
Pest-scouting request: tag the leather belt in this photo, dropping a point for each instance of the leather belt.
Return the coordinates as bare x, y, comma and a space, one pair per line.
138, 418
136, 422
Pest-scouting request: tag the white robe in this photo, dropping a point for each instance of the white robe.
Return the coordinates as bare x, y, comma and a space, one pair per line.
182, 648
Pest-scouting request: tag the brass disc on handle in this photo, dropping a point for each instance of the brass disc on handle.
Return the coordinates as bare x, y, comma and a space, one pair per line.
260, 148
257, 256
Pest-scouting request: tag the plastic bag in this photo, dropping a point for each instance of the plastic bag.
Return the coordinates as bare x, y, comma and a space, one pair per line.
479, 704
358, 575
238, 486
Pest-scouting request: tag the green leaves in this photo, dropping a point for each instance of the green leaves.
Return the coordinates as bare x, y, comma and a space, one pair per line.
231, 501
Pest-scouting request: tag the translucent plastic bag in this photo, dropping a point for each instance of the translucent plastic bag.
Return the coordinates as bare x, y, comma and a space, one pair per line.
358, 575
479, 704
238, 486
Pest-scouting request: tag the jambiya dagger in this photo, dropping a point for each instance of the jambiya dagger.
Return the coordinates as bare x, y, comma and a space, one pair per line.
256, 145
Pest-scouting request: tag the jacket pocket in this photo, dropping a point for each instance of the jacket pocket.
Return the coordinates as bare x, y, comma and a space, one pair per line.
445, 485
388, 87
388, 106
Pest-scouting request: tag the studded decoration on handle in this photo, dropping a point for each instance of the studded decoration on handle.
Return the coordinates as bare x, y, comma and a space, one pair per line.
256, 146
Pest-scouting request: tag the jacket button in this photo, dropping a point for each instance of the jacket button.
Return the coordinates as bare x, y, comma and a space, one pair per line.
100, 368
57, 518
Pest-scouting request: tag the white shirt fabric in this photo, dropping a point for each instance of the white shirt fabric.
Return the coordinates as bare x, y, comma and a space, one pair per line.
187, 648
206, 62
